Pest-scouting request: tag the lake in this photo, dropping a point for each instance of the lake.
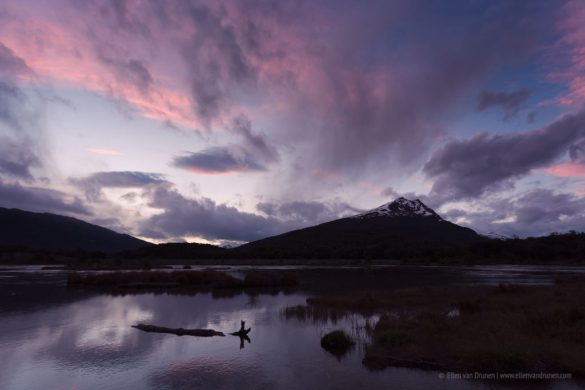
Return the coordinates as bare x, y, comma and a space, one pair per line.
52, 338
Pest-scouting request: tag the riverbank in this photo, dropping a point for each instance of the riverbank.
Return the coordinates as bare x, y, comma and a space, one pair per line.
505, 328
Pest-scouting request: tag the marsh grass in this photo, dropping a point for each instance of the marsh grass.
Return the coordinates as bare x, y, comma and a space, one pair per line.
315, 314
503, 328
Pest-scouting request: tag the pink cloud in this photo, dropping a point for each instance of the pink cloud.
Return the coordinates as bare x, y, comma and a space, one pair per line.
572, 45
567, 169
104, 152
60, 52
60, 49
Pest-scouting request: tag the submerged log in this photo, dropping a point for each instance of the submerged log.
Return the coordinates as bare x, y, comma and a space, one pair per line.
178, 331
243, 332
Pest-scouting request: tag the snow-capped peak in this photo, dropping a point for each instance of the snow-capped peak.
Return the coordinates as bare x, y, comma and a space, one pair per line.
494, 236
401, 207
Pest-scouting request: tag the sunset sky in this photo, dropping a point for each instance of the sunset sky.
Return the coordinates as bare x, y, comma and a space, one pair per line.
228, 121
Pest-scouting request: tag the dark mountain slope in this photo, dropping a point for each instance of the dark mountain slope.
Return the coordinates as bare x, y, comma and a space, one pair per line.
393, 230
56, 232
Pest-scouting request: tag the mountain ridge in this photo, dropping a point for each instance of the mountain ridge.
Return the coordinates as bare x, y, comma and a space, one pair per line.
58, 232
386, 231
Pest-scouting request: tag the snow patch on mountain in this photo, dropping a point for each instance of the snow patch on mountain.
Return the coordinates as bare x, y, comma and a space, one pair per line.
494, 236
401, 207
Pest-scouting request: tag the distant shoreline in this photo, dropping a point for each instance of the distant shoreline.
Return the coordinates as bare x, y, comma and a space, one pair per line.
161, 264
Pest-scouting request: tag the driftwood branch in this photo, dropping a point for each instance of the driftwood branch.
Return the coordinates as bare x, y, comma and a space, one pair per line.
243, 332
178, 331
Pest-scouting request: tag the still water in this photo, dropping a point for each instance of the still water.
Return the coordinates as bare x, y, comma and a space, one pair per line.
52, 338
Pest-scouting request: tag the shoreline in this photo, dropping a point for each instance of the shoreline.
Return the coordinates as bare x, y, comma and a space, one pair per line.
116, 264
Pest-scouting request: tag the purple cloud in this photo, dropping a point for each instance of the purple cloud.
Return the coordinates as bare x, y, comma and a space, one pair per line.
253, 154
19, 131
10, 64
93, 184
464, 169
132, 71
305, 213
14, 195
510, 102
11, 99
345, 96
18, 158
203, 217
533, 213
218, 161
577, 152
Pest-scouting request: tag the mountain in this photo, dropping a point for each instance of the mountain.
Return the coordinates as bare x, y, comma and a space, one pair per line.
56, 232
402, 228
401, 207
495, 236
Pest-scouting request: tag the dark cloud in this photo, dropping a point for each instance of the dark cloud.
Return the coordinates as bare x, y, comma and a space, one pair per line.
93, 184
256, 143
14, 195
17, 158
218, 160
510, 102
203, 217
543, 205
305, 213
10, 64
11, 100
20, 149
218, 64
254, 153
125, 179
533, 213
469, 168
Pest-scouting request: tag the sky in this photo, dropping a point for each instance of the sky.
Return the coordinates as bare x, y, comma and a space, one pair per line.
229, 121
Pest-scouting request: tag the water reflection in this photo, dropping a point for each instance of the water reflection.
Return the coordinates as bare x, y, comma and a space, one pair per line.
210, 373
86, 341
243, 339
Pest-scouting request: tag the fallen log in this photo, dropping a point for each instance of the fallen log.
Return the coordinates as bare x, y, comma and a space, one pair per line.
178, 331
